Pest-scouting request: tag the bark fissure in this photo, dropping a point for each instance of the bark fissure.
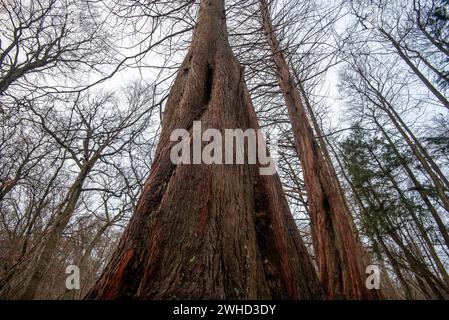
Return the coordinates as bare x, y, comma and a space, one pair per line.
209, 231
337, 248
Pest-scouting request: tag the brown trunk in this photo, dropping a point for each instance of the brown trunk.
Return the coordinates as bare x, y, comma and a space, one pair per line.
209, 231
337, 248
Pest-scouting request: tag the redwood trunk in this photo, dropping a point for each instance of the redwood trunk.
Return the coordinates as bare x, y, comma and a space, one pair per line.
209, 231
338, 251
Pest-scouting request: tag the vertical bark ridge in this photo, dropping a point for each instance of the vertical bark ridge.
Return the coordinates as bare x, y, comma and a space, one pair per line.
196, 232
337, 247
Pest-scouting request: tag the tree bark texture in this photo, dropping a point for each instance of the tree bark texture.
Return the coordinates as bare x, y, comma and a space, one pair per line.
337, 248
209, 231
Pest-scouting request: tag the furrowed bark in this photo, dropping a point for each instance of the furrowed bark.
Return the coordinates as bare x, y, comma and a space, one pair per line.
337, 248
209, 231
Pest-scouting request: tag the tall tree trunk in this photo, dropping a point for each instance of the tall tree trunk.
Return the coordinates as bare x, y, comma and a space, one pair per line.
322, 141
209, 231
337, 248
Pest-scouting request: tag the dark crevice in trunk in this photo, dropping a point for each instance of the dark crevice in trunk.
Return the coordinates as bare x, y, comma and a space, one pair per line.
266, 242
209, 82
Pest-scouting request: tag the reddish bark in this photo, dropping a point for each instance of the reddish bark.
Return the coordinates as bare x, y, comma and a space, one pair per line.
337, 248
209, 231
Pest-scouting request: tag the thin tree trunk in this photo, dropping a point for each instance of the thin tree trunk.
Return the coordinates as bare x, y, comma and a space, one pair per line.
62, 218
421, 149
209, 231
441, 226
428, 167
439, 179
416, 220
83, 262
396, 268
415, 69
422, 27
438, 288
